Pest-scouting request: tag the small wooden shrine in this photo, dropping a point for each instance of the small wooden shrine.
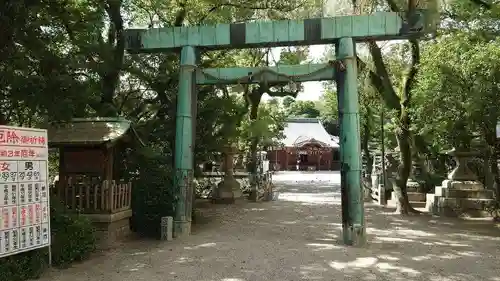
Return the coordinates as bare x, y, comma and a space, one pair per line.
91, 171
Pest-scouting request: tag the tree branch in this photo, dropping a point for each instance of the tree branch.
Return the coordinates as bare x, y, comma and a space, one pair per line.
483, 4
249, 7
380, 78
412, 72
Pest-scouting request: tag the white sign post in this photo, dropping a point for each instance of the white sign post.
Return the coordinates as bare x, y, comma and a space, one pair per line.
24, 190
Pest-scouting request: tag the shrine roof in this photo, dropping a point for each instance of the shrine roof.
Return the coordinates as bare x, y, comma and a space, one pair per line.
89, 131
299, 131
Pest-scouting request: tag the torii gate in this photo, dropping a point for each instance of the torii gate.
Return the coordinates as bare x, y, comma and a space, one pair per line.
342, 31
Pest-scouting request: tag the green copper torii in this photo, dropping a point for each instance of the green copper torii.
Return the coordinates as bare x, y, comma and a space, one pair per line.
342, 31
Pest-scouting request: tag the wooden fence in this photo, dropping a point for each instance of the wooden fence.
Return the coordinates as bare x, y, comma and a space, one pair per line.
92, 197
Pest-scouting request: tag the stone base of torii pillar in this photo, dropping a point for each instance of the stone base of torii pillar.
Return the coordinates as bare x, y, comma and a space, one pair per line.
229, 188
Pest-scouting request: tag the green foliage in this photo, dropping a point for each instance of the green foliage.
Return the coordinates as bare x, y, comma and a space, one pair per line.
458, 90
152, 195
73, 239
306, 109
293, 55
329, 105
23, 266
73, 236
288, 101
268, 128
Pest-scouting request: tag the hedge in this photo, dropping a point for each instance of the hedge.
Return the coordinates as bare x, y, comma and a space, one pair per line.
73, 239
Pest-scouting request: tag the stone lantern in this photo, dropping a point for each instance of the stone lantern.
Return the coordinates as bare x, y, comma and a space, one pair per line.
229, 188
462, 193
462, 171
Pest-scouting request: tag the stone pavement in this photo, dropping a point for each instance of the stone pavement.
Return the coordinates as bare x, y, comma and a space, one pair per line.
296, 238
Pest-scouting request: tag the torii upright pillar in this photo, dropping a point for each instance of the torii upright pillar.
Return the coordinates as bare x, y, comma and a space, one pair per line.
353, 219
184, 143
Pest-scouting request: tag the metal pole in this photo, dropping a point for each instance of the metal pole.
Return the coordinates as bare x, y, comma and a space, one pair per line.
183, 144
353, 220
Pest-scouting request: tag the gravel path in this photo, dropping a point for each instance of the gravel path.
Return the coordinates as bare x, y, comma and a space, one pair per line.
296, 238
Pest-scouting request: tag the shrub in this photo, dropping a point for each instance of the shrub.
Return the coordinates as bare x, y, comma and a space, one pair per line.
152, 192
23, 266
73, 236
73, 239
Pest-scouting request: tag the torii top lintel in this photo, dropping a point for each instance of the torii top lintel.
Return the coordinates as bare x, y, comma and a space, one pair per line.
378, 26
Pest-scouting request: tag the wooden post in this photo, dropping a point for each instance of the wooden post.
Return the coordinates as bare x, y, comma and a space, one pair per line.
73, 196
96, 195
104, 186
112, 191
87, 195
129, 204
286, 159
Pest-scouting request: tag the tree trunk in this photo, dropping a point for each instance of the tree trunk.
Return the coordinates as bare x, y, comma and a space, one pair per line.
494, 172
110, 78
253, 100
403, 134
404, 169
366, 151
492, 159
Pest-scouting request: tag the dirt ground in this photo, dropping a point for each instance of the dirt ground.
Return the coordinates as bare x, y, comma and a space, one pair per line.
297, 238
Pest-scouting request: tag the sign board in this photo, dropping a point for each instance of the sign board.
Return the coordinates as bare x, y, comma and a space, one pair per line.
24, 193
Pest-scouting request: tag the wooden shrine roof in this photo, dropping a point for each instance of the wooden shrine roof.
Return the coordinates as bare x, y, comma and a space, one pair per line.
89, 131
299, 131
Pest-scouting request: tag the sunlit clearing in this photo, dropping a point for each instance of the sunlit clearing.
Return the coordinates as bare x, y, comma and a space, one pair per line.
318, 198
393, 239
204, 245
358, 263
422, 258
185, 260
308, 269
290, 222
326, 239
475, 237
384, 267
441, 278
447, 256
414, 232
321, 246
255, 209
137, 266
389, 258
312, 272
391, 232
138, 253
372, 262
469, 254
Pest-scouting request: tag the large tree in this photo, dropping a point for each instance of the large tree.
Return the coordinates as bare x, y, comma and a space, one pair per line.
397, 95
456, 98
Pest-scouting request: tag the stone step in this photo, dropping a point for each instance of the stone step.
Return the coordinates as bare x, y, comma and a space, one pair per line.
471, 213
417, 204
464, 185
457, 207
411, 189
464, 193
463, 203
412, 196
414, 204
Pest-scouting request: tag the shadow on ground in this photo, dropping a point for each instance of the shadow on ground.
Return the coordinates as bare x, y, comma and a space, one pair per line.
297, 238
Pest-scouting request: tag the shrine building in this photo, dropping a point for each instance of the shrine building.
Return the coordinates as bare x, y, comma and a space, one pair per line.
307, 145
